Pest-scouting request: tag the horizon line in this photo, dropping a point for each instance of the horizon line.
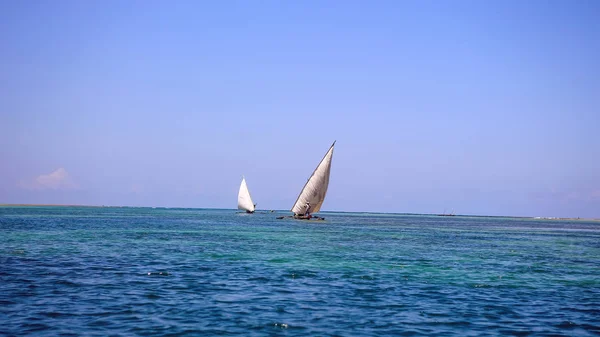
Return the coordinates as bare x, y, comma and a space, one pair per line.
281, 210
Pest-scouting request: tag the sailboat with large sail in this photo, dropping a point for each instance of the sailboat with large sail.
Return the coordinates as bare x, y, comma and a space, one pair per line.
313, 194
244, 199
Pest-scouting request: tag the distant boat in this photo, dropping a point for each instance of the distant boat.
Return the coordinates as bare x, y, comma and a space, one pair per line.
447, 214
244, 199
313, 194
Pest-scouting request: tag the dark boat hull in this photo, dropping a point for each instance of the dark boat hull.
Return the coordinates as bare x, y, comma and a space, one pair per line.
301, 217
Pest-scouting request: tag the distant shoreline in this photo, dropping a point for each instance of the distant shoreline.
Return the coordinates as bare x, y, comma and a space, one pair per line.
458, 215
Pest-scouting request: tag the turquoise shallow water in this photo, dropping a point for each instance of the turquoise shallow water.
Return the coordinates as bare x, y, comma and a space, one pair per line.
144, 271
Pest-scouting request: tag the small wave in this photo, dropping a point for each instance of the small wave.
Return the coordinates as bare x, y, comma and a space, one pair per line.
296, 274
35, 327
55, 314
67, 283
152, 296
158, 273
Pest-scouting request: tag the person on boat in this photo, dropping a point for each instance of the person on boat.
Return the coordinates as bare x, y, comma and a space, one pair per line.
307, 213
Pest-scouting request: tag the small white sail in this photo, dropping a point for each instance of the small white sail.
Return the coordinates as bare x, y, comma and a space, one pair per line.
315, 189
244, 200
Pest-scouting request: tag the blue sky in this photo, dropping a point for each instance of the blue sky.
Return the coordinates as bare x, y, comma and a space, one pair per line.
481, 107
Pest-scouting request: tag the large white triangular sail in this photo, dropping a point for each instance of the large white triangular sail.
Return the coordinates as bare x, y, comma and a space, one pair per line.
244, 200
316, 187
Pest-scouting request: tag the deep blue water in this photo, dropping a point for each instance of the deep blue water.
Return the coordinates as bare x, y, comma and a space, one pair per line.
144, 271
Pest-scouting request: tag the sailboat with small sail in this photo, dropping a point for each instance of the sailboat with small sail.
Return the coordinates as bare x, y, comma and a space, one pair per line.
311, 197
244, 199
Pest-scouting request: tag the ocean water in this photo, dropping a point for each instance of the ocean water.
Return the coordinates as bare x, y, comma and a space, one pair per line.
174, 272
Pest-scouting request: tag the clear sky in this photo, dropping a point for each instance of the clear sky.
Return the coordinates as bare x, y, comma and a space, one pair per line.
481, 107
